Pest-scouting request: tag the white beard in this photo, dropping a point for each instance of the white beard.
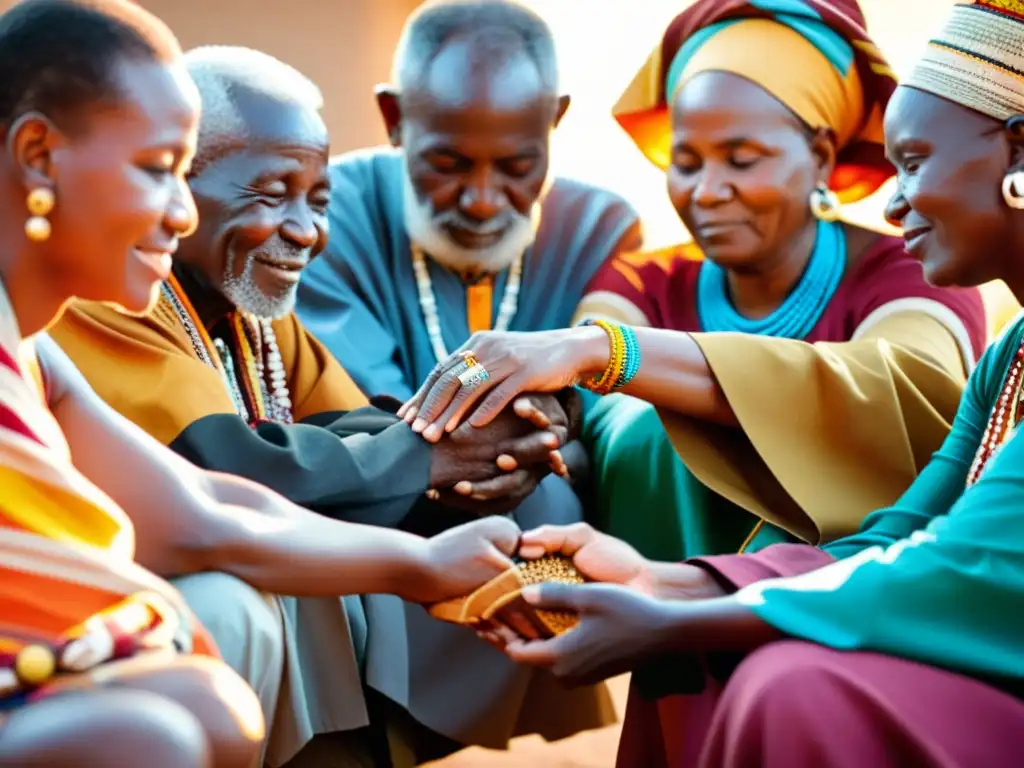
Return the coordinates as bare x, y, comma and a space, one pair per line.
425, 231
245, 294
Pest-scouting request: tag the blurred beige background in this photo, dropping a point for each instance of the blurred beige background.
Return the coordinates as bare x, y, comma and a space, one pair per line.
346, 47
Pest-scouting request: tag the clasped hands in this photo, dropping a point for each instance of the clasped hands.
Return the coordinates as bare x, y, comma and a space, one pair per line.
491, 469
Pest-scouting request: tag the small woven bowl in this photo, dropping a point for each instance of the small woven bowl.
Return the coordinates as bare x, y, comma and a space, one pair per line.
557, 568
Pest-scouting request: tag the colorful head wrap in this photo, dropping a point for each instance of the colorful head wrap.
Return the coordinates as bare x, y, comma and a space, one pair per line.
812, 55
977, 60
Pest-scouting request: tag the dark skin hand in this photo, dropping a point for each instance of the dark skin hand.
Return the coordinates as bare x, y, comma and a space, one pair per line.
643, 609
620, 629
603, 558
498, 466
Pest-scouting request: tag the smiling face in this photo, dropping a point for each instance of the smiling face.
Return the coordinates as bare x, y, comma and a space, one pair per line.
950, 162
476, 142
121, 199
743, 168
263, 209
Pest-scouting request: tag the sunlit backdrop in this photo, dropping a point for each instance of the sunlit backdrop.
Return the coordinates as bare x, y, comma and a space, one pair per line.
601, 45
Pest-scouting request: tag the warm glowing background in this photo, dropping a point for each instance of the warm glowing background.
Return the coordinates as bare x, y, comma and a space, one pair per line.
346, 47
602, 44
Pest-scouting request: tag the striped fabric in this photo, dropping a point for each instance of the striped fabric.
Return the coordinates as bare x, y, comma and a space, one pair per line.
976, 59
68, 583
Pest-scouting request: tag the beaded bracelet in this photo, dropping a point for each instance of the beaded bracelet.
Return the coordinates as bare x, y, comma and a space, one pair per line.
623, 362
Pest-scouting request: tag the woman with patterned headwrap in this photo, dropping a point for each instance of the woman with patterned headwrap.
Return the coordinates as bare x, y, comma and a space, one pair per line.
767, 117
899, 645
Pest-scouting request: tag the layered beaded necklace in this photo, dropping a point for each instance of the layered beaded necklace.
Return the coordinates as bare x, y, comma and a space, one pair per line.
1006, 414
260, 390
799, 313
428, 301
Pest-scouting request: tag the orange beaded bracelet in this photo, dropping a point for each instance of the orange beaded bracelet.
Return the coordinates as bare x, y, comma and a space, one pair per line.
606, 381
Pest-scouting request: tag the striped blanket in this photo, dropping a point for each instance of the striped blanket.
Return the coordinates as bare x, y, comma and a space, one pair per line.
71, 597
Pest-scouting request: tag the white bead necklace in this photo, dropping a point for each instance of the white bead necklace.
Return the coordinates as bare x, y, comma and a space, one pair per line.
507, 308
279, 402
273, 389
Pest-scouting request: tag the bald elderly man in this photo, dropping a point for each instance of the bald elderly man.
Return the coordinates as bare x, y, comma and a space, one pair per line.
225, 374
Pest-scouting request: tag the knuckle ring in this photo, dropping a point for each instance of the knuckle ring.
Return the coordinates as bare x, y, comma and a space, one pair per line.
473, 375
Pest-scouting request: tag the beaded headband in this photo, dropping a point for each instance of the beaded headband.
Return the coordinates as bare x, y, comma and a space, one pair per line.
977, 60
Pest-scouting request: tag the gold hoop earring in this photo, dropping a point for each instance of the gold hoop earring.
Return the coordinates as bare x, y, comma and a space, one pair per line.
1012, 184
40, 203
824, 203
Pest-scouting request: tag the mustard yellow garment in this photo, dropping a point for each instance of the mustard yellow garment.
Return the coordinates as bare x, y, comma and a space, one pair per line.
170, 387
801, 77
829, 431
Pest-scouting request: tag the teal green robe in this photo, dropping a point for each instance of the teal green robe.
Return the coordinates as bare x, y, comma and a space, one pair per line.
939, 576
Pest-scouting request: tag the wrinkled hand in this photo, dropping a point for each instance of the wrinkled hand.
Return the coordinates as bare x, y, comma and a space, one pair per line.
472, 453
459, 560
618, 629
544, 412
522, 469
545, 361
497, 496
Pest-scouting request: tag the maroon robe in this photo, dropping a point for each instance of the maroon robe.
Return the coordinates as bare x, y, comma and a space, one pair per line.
663, 286
795, 704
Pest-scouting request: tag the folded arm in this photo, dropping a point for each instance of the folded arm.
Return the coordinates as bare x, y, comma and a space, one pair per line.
947, 595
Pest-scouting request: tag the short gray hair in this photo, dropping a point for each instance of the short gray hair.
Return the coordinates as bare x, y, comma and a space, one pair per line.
487, 23
224, 72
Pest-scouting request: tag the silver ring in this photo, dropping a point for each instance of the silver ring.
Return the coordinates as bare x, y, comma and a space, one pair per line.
473, 375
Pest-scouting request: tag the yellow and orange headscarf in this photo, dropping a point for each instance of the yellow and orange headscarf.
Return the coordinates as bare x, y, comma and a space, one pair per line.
812, 55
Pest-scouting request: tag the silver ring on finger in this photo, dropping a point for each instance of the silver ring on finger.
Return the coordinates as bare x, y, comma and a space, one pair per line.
473, 376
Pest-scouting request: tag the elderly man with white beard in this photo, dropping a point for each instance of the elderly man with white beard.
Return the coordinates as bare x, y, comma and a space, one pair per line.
460, 226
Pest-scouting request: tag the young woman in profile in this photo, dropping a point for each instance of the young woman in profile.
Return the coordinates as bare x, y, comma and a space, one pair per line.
99, 118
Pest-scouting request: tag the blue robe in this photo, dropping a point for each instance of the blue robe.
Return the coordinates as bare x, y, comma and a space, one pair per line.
359, 297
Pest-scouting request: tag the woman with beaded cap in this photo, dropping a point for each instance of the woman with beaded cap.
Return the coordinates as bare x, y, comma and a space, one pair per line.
900, 644
761, 163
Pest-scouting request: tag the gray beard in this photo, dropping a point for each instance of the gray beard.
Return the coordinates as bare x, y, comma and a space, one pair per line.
425, 231
243, 292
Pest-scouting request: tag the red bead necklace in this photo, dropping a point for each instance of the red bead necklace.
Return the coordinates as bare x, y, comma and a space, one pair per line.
1006, 413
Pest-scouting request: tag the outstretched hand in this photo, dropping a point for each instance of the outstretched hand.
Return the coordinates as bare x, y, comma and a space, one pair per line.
459, 560
618, 629
545, 361
596, 555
